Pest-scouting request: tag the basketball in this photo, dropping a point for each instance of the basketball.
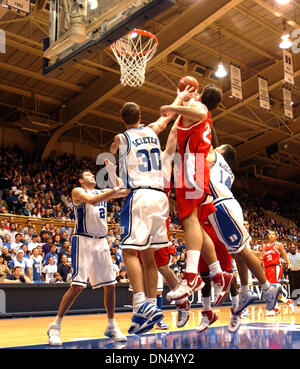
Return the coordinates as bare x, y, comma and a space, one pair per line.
188, 81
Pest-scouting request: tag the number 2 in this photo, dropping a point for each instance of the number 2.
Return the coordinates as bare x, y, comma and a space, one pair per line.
206, 133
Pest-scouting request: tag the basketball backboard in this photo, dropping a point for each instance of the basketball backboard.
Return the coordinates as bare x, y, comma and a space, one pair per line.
78, 28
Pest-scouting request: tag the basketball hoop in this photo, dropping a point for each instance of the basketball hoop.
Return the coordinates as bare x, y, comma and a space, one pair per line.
132, 52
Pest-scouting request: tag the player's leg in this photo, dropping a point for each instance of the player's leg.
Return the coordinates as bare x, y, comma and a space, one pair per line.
191, 280
271, 291
145, 313
159, 302
228, 223
81, 267
208, 316
221, 280
112, 330
65, 304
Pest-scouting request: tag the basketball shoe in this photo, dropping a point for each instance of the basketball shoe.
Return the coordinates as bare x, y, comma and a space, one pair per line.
113, 331
145, 318
162, 325
221, 283
190, 282
245, 299
208, 318
54, 335
183, 313
271, 295
290, 305
235, 322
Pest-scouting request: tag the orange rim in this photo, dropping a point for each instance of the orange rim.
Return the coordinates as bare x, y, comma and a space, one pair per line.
140, 32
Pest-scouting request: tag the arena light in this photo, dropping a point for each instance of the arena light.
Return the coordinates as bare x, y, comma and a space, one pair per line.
221, 71
282, 2
286, 42
93, 4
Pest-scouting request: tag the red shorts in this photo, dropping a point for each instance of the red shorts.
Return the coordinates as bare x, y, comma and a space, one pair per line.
162, 256
185, 206
273, 273
221, 250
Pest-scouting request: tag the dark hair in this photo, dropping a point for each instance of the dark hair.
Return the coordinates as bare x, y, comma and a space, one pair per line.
80, 174
229, 153
211, 96
131, 113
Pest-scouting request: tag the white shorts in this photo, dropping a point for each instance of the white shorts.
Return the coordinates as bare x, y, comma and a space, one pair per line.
91, 260
228, 223
144, 220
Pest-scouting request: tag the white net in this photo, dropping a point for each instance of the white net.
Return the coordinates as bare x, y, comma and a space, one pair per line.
132, 52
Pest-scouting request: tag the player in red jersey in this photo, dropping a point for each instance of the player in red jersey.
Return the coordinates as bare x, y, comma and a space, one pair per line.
192, 190
272, 252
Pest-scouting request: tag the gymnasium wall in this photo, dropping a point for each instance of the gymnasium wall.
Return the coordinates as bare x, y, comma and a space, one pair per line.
44, 299
30, 143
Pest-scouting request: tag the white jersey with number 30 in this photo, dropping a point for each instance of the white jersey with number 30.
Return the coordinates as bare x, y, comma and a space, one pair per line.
140, 158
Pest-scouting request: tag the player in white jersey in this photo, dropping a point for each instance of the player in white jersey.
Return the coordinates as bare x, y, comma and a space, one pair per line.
91, 257
145, 212
228, 223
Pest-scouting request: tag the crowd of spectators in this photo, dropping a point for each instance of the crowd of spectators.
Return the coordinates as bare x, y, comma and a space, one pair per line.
31, 188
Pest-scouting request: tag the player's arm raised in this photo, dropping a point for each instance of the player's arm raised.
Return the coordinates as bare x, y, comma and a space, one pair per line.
79, 196
114, 147
194, 111
161, 124
172, 140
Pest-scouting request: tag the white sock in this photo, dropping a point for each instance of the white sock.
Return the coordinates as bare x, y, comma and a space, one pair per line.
215, 268
266, 286
206, 303
235, 302
152, 301
138, 298
111, 322
192, 261
244, 289
57, 321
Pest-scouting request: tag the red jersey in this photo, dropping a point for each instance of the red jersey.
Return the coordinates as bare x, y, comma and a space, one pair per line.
271, 255
192, 177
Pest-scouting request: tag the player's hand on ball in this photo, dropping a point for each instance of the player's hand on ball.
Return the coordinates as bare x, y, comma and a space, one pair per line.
187, 93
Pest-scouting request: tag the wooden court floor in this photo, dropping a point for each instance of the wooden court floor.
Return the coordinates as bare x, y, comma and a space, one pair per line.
32, 331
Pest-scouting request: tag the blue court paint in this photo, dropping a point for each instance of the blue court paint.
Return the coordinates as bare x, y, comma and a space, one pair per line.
250, 336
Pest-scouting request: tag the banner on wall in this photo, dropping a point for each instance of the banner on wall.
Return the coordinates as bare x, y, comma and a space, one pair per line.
236, 82
287, 103
288, 67
264, 99
18, 5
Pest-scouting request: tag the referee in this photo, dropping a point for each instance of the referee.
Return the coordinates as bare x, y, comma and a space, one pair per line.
294, 272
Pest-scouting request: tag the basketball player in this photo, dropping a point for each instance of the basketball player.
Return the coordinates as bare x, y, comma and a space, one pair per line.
145, 211
194, 141
228, 224
273, 270
90, 253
